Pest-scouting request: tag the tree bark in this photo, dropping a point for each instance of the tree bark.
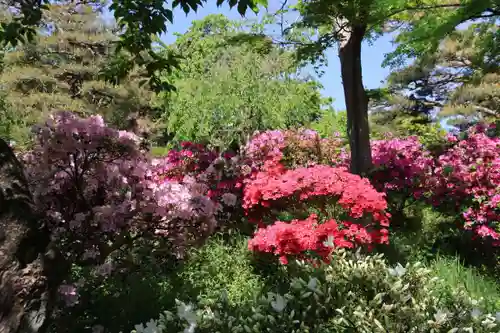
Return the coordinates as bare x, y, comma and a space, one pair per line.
27, 286
356, 99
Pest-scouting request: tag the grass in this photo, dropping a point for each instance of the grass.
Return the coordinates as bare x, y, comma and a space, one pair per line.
454, 274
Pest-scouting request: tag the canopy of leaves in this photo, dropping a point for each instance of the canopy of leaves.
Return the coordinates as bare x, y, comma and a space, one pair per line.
139, 21
60, 70
422, 29
232, 83
331, 123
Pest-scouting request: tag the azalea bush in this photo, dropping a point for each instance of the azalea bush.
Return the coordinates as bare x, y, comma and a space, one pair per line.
467, 181
351, 293
460, 178
218, 176
324, 203
293, 148
101, 195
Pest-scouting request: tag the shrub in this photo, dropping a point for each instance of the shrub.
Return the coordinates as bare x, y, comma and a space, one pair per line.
463, 179
98, 191
215, 175
467, 180
222, 263
452, 274
293, 149
352, 293
334, 192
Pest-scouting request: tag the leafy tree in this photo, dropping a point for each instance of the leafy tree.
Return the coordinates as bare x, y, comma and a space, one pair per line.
391, 110
460, 79
139, 22
422, 29
232, 83
347, 24
61, 69
331, 123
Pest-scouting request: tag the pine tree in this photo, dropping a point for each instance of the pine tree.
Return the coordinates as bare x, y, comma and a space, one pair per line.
458, 82
62, 70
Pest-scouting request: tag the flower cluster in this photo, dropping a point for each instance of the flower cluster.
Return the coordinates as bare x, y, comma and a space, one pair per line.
401, 165
98, 189
467, 178
211, 174
462, 178
334, 191
297, 237
293, 149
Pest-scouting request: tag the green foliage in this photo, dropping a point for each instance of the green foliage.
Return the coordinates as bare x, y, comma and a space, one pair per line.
229, 86
460, 79
118, 301
12, 124
220, 266
421, 232
421, 30
351, 294
141, 291
61, 69
401, 124
331, 123
452, 273
140, 22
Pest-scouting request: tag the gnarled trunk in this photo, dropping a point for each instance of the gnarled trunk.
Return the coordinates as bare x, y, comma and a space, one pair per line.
27, 284
356, 99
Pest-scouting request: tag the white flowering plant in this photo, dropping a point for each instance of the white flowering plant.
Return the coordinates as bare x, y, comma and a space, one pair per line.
353, 293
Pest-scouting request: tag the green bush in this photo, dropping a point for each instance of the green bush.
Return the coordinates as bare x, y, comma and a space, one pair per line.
353, 293
220, 265
149, 285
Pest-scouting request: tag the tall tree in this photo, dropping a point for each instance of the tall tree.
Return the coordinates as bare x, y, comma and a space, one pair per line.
347, 24
61, 69
232, 83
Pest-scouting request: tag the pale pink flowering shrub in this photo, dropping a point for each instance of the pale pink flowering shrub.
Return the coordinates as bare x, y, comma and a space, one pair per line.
229, 199
69, 294
217, 176
99, 191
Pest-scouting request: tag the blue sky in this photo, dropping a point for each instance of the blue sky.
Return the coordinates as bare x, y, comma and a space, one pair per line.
372, 56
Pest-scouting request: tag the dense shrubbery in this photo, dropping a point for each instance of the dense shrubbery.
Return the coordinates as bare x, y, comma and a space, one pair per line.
110, 207
352, 293
101, 194
340, 199
462, 177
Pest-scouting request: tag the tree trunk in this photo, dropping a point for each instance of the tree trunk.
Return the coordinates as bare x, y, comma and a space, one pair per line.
356, 99
27, 290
